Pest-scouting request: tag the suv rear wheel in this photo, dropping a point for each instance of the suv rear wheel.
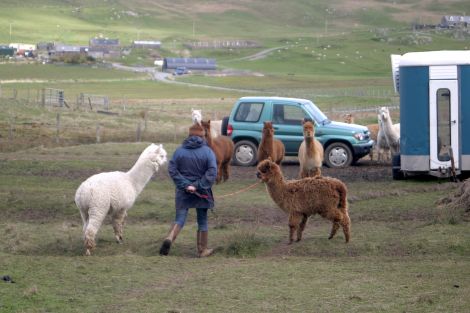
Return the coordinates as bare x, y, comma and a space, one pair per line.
338, 154
245, 153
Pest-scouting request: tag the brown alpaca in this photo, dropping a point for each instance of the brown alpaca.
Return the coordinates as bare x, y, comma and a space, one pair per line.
305, 197
310, 153
270, 147
348, 118
381, 153
223, 150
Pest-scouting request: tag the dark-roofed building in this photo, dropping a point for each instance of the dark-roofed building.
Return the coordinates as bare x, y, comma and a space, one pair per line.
455, 20
189, 63
62, 49
104, 43
104, 48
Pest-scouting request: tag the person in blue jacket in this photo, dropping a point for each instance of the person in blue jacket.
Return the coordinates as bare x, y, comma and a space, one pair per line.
193, 169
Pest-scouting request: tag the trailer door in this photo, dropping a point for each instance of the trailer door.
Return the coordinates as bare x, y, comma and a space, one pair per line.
444, 123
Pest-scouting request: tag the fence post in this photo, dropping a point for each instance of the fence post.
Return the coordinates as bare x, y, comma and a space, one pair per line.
43, 97
98, 133
146, 117
11, 129
138, 132
57, 139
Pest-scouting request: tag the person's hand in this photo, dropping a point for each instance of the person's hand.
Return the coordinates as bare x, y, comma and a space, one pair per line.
191, 189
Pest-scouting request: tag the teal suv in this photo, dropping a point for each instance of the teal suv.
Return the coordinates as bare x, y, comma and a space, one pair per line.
344, 143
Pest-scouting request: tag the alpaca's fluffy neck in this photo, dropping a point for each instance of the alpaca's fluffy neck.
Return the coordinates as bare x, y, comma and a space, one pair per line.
267, 140
389, 129
209, 137
140, 174
309, 146
276, 187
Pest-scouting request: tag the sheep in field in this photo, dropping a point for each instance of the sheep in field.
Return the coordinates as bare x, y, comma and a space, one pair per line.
388, 131
302, 198
310, 153
269, 146
114, 193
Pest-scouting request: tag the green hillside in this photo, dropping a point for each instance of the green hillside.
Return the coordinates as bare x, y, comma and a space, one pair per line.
77, 21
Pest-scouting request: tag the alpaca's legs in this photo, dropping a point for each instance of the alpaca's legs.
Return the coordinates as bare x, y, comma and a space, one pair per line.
294, 221
84, 215
316, 172
346, 224
226, 169
339, 218
118, 224
302, 225
95, 219
334, 229
219, 173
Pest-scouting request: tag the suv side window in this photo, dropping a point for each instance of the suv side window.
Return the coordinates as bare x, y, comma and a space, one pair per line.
288, 114
249, 112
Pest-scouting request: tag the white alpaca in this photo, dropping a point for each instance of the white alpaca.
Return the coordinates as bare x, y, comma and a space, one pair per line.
216, 126
196, 116
388, 132
114, 193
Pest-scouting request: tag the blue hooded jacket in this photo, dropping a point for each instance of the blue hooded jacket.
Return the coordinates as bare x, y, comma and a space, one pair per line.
193, 164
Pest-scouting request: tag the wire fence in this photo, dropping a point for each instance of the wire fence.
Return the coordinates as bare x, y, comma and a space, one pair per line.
117, 120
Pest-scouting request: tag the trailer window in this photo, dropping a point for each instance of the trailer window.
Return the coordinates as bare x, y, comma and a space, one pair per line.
443, 124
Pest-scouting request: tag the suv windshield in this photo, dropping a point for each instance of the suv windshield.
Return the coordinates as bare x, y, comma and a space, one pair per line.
318, 115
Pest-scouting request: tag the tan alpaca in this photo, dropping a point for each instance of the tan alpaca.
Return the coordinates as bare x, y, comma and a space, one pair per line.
305, 197
374, 131
270, 147
348, 118
223, 150
310, 153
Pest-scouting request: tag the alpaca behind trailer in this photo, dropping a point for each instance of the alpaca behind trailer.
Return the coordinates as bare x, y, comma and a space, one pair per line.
434, 112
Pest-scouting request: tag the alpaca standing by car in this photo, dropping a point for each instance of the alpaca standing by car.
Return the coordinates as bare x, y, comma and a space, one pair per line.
302, 198
391, 132
310, 153
114, 193
269, 146
222, 147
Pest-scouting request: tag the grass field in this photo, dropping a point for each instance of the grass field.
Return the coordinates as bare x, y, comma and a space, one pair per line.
406, 253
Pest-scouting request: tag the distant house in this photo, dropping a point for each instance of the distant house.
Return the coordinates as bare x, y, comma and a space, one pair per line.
101, 48
455, 20
146, 44
62, 50
105, 44
189, 63
45, 46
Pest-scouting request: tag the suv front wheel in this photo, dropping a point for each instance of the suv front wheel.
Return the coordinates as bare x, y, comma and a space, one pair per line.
245, 153
338, 154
